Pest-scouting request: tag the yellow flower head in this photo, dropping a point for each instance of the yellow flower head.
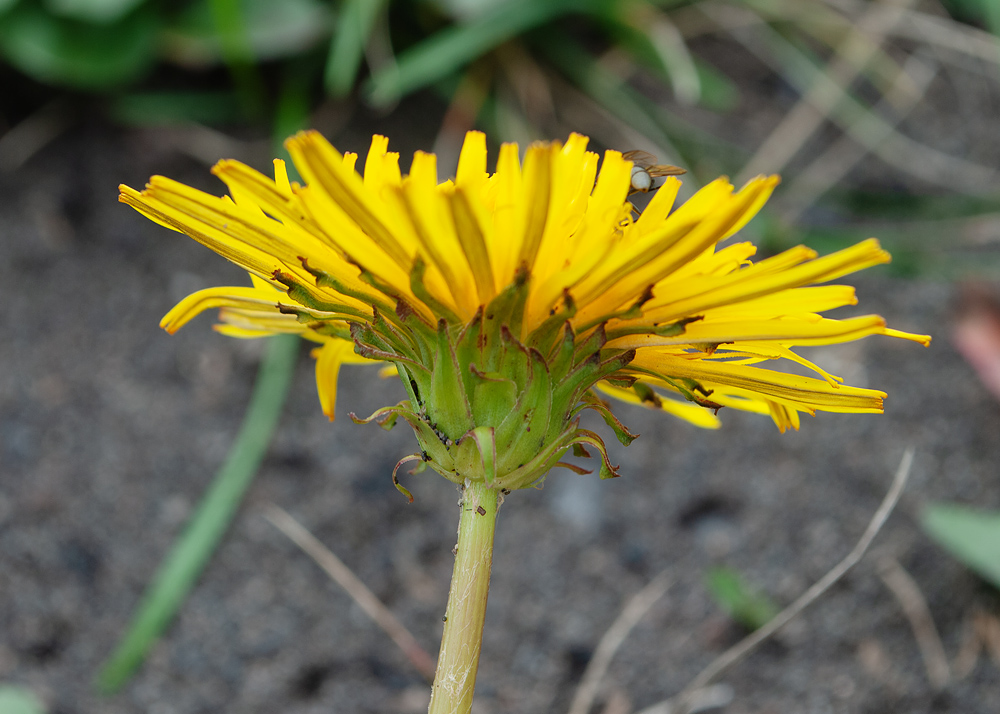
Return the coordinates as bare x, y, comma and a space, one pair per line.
505, 300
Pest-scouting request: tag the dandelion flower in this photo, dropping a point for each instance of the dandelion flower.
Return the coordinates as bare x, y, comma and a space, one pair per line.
508, 302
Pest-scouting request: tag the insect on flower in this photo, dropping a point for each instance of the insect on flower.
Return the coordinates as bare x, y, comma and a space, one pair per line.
645, 168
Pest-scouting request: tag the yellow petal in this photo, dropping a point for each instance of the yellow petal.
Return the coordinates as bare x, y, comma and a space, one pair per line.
429, 212
281, 183
756, 383
373, 176
788, 331
471, 175
338, 194
533, 206
689, 412
507, 228
196, 303
329, 357
248, 257
659, 206
258, 323
663, 251
769, 276
767, 184
470, 232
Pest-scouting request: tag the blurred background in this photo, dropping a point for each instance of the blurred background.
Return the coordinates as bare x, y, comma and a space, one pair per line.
881, 117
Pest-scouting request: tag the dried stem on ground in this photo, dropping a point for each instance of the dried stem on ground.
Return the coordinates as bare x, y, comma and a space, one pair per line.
681, 704
968, 653
982, 630
358, 591
988, 628
864, 126
915, 608
628, 618
23, 140
713, 696
844, 154
850, 58
938, 30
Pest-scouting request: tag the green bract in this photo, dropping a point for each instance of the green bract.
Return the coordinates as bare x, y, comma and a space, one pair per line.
486, 406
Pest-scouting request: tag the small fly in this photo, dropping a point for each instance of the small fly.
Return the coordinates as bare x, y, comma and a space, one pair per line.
645, 169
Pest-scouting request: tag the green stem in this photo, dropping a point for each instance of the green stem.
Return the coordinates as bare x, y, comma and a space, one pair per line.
455, 679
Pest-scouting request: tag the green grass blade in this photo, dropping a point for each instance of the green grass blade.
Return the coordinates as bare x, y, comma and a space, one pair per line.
234, 39
448, 50
88, 57
172, 108
291, 113
734, 595
971, 536
888, 205
191, 552
19, 700
348, 45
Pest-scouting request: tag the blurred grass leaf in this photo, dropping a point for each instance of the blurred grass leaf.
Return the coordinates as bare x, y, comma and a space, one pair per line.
19, 700
718, 92
688, 143
272, 29
897, 205
99, 11
76, 54
734, 595
191, 551
291, 114
986, 12
232, 31
171, 108
353, 28
447, 51
971, 536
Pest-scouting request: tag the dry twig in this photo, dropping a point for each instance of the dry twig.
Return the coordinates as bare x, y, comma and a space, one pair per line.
845, 153
951, 35
982, 631
807, 116
711, 697
34, 133
915, 608
936, 30
612, 640
364, 597
864, 126
681, 703
968, 653
988, 628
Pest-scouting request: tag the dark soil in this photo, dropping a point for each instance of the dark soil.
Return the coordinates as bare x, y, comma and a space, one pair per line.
110, 430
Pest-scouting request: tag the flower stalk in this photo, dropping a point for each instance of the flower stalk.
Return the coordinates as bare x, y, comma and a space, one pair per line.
509, 303
461, 644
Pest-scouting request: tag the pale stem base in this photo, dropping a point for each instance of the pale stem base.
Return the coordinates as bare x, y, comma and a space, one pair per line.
455, 678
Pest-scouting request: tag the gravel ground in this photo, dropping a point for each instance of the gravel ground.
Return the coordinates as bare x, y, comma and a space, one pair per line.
110, 430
